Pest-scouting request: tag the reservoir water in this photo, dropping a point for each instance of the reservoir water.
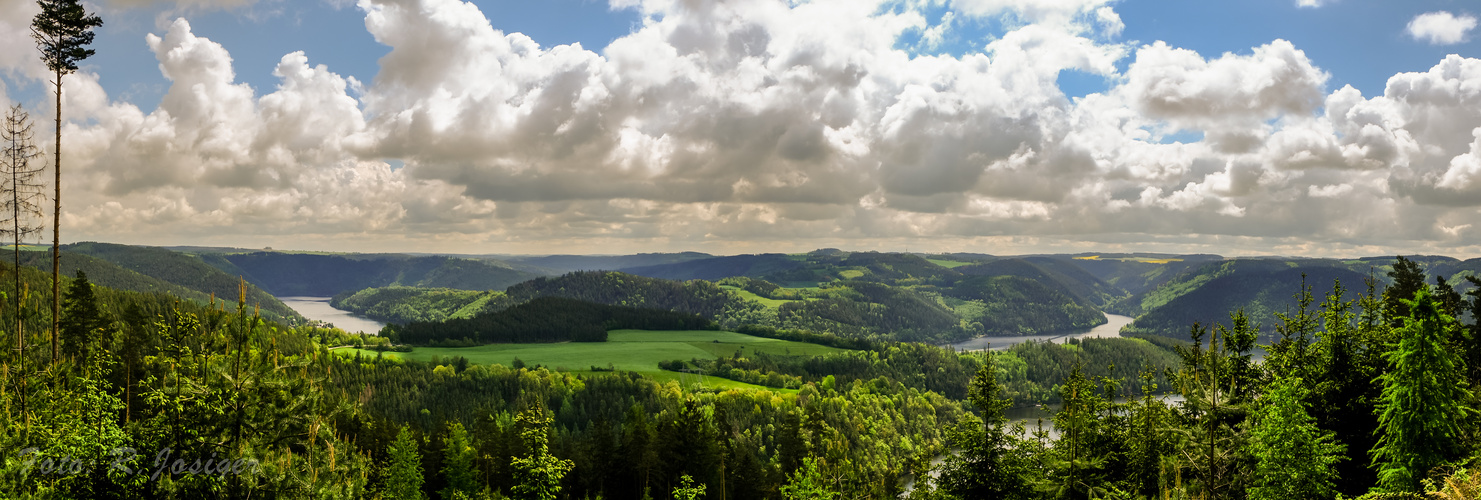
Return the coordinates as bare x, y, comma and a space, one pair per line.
318, 308
1112, 328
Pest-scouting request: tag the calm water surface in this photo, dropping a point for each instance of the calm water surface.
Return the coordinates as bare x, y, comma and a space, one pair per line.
318, 308
1112, 328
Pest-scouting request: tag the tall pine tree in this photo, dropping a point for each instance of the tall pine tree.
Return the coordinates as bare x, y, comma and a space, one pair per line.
988, 465
63, 30
458, 453
1294, 460
82, 319
404, 473
1424, 399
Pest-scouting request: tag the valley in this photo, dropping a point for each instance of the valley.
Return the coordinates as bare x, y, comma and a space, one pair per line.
318, 309
889, 366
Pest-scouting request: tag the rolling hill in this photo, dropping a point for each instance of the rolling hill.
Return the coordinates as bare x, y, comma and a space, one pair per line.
294, 274
153, 269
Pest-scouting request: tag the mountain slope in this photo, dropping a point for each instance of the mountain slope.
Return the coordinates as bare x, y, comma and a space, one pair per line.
1261, 287
184, 275
569, 263
715, 268
289, 274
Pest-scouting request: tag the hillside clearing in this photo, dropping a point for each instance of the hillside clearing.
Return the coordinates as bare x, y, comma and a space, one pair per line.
625, 350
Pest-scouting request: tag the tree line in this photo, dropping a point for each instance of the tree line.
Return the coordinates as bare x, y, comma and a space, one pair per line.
544, 319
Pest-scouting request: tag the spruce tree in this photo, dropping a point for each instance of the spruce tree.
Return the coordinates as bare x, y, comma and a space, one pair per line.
82, 318
988, 465
1424, 399
458, 453
63, 30
1295, 460
1408, 279
404, 473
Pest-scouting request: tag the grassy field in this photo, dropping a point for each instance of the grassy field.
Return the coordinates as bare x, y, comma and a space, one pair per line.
947, 263
746, 294
626, 350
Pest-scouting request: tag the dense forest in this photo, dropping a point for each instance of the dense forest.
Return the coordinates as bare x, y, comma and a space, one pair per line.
149, 269
544, 319
321, 275
404, 304
1362, 394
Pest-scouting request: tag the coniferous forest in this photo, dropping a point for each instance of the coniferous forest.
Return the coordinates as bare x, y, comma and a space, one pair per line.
1367, 391
131, 372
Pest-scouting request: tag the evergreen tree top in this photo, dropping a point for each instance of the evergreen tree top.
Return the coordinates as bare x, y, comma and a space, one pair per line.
63, 30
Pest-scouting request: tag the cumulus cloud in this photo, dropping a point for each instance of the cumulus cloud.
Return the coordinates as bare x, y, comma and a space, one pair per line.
739, 126
1441, 28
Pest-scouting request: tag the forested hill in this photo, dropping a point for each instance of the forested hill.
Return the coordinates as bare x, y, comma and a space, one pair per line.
289, 274
715, 268
151, 269
1263, 287
544, 319
560, 264
404, 304
620, 289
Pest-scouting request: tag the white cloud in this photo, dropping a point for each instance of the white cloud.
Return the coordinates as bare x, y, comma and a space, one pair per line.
1310, 3
733, 125
1441, 28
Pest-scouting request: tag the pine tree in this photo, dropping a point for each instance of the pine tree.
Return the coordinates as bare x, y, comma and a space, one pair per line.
1408, 280
82, 319
988, 466
63, 30
458, 453
1424, 399
1294, 459
1471, 351
404, 474
538, 475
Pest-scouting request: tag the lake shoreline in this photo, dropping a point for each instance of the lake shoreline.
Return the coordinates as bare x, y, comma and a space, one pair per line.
1110, 329
318, 309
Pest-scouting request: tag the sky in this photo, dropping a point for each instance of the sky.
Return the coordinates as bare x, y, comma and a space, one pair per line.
1263, 127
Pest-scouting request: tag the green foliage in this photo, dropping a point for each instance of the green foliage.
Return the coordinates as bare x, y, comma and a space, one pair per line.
619, 289
1077, 465
988, 464
63, 30
1294, 459
1014, 305
289, 274
82, 318
1259, 287
537, 476
458, 453
687, 490
546, 319
401, 304
202, 380
1408, 279
1424, 400
403, 477
808, 483
1218, 383
152, 269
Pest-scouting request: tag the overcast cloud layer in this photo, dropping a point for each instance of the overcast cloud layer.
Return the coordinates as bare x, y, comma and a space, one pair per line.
768, 126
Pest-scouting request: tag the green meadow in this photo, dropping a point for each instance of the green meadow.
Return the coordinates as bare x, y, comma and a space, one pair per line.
625, 350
